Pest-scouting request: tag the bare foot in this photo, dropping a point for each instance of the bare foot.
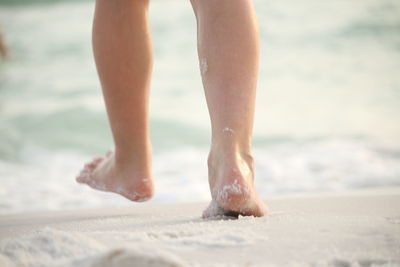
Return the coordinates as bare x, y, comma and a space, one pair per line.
232, 187
103, 174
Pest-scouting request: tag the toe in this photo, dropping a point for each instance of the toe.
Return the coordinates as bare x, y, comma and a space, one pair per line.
84, 175
92, 164
81, 178
97, 160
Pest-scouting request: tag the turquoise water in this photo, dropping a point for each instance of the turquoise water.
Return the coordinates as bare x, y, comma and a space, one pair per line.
327, 115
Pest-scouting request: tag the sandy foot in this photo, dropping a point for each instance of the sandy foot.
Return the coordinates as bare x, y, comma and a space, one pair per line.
103, 174
232, 189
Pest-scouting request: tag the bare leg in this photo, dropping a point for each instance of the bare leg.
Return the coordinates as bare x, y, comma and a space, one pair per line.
228, 48
3, 47
122, 51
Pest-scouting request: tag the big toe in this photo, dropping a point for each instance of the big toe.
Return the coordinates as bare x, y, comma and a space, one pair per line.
83, 176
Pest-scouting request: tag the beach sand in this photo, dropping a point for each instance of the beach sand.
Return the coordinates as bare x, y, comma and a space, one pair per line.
359, 228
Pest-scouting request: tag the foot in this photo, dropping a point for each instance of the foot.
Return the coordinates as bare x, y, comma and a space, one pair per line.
232, 187
104, 174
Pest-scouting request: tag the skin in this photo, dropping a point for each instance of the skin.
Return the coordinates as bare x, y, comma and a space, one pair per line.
123, 55
228, 48
3, 48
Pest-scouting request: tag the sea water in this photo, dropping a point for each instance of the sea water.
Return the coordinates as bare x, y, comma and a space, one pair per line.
327, 115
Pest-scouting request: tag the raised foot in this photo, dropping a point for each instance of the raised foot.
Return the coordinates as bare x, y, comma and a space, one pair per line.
103, 174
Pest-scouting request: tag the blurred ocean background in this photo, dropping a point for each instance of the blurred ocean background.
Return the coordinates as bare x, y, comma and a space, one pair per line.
327, 116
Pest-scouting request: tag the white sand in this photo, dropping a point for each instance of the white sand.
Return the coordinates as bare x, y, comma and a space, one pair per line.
351, 229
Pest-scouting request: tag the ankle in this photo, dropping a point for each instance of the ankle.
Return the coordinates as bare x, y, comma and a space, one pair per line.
231, 141
133, 155
236, 159
230, 147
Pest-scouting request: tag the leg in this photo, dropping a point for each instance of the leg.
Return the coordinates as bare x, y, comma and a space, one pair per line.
228, 48
122, 51
3, 47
